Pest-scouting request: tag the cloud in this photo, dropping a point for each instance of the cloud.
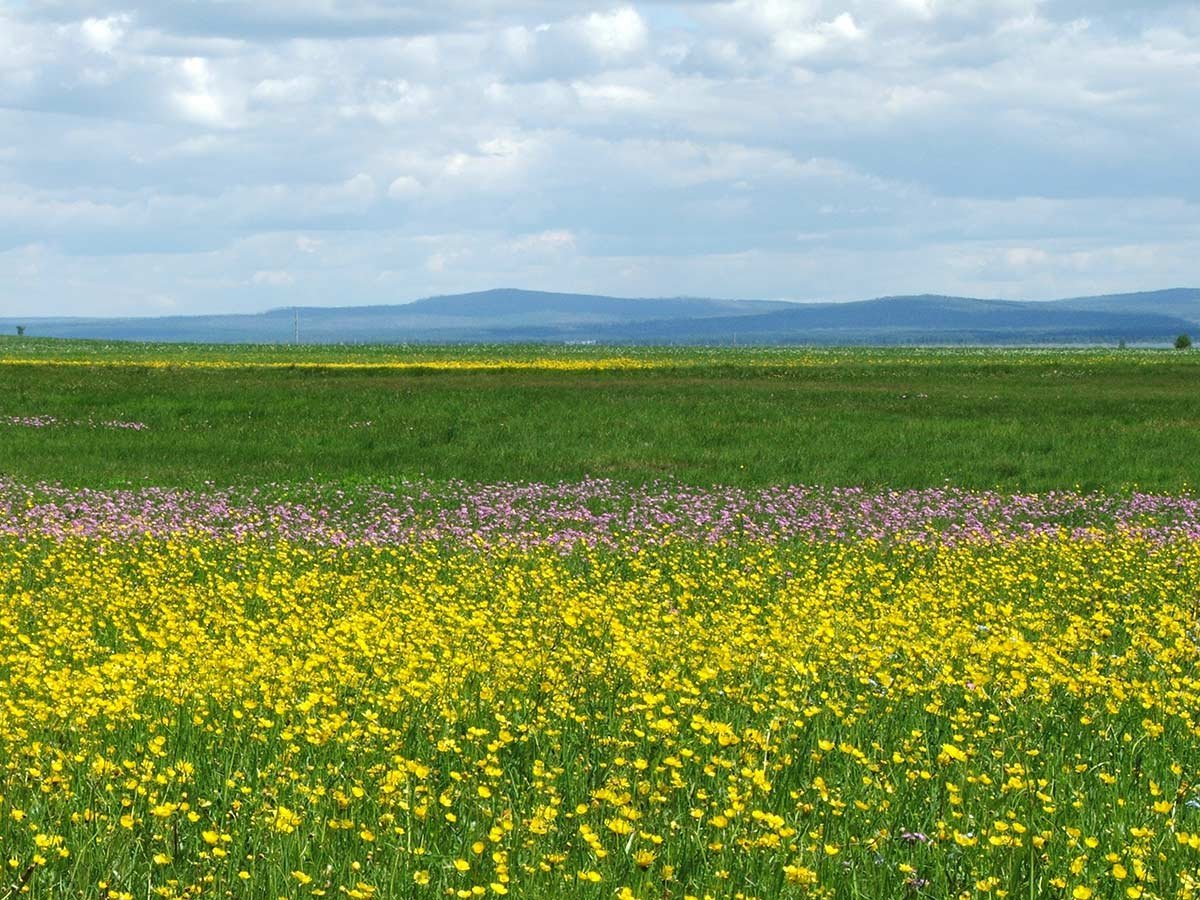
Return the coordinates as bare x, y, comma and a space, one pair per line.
379, 151
615, 35
273, 278
296, 89
103, 35
404, 186
269, 20
197, 99
554, 241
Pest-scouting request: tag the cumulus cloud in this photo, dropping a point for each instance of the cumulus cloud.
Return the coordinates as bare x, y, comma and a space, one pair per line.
103, 35
218, 152
615, 35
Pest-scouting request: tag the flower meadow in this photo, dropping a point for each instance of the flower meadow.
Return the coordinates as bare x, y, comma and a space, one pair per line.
596, 690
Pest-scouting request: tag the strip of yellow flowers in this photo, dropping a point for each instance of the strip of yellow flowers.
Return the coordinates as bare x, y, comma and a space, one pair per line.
473, 359
185, 718
549, 364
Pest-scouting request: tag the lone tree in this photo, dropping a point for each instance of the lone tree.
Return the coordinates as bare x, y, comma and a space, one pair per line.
20, 330
1183, 342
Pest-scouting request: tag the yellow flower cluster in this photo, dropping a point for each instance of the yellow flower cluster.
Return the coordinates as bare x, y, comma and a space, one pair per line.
232, 718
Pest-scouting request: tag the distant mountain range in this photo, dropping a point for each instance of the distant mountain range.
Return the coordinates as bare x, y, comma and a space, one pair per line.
511, 315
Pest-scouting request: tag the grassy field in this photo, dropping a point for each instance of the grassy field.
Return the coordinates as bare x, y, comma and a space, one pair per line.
293, 623
1018, 420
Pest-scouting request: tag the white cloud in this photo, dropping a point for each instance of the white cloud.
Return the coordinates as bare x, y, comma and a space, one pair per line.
1135, 256
554, 241
391, 102
103, 35
199, 99
499, 163
185, 150
403, 187
298, 89
802, 43
1018, 257
440, 262
613, 97
615, 35
273, 278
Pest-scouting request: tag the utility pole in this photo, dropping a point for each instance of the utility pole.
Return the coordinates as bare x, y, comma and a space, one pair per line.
295, 324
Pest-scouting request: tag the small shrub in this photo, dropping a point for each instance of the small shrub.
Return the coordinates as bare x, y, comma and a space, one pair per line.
1183, 342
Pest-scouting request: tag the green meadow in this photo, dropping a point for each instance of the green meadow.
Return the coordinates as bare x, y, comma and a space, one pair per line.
1014, 419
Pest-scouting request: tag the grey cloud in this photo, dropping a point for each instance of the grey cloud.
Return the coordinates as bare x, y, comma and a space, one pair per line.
1118, 14
270, 20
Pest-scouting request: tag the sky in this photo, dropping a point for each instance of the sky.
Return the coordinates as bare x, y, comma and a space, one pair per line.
220, 156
